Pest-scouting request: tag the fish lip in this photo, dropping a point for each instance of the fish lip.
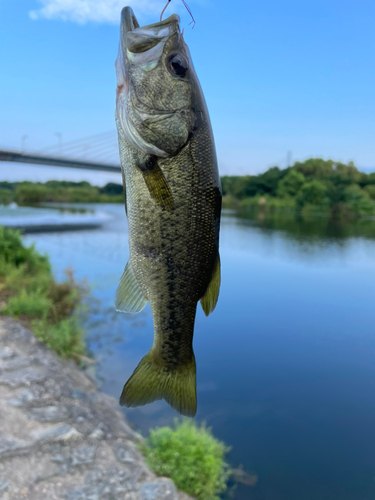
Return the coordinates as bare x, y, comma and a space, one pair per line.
129, 22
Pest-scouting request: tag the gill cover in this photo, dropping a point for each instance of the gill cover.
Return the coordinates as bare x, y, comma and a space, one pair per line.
153, 105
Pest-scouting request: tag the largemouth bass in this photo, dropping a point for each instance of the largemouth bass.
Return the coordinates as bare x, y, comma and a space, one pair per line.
173, 202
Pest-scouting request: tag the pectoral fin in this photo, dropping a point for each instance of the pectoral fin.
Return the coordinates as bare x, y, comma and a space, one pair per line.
129, 297
156, 182
209, 299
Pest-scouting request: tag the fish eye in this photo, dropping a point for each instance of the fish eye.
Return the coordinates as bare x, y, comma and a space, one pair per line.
178, 64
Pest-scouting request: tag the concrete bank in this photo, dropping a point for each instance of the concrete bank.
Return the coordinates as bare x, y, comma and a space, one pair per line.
60, 438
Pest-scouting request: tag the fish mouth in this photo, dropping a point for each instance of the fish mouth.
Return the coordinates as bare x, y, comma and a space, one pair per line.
130, 23
138, 39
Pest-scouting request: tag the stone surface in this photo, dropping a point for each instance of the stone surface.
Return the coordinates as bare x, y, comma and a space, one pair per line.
83, 455
60, 438
49, 414
10, 446
162, 489
125, 454
4, 485
96, 434
23, 377
62, 432
6, 353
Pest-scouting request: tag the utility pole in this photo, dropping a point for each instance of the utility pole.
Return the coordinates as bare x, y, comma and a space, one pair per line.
289, 159
23, 142
59, 136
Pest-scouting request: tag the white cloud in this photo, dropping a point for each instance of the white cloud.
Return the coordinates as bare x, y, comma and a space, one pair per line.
102, 11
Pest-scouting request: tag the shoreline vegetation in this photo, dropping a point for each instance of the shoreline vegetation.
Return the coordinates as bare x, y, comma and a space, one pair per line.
191, 456
313, 187
29, 293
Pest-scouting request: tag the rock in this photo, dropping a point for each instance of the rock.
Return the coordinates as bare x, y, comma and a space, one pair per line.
97, 433
23, 397
10, 446
59, 432
83, 455
124, 454
6, 353
24, 376
10, 364
85, 396
49, 414
103, 485
4, 485
125, 427
162, 489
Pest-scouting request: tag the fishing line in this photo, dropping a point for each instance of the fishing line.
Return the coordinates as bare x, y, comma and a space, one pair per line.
186, 7
191, 15
162, 12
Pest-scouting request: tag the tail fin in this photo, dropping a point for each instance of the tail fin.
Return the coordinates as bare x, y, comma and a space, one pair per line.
151, 381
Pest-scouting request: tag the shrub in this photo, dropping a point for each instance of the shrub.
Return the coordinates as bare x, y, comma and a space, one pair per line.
65, 337
13, 252
190, 456
32, 304
30, 292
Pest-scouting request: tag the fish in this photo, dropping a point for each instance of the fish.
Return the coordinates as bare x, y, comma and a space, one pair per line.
172, 201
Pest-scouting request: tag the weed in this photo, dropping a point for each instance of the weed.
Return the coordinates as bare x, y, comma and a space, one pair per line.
28, 291
190, 456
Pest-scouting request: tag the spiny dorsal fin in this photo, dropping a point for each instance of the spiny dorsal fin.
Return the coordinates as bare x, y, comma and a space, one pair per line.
209, 299
129, 297
156, 182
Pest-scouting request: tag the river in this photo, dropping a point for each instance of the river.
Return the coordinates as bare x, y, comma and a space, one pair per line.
285, 364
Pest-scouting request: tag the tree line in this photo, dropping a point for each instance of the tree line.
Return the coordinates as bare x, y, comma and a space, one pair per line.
32, 193
318, 185
315, 185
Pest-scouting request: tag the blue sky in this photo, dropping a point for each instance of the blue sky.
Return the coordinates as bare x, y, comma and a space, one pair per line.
277, 76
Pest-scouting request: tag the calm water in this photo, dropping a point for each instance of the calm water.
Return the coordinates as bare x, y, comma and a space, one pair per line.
285, 364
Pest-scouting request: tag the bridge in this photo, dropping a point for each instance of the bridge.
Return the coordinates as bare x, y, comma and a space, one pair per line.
97, 152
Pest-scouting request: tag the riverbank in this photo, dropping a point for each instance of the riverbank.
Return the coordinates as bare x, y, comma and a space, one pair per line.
60, 437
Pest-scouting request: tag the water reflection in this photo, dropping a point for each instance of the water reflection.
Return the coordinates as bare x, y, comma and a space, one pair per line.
286, 371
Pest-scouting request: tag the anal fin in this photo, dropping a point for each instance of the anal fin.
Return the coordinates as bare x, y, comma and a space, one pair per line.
129, 297
209, 299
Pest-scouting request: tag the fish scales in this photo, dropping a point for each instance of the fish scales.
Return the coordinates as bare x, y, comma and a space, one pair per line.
173, 228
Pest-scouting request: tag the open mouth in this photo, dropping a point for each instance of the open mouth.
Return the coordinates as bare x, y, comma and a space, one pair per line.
140, 39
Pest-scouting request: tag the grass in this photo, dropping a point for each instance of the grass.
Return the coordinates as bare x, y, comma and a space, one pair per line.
29, 292
191, 456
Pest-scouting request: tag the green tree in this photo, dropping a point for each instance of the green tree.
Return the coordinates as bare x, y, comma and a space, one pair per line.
30, 194
290, 184
312, 193
112, 188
